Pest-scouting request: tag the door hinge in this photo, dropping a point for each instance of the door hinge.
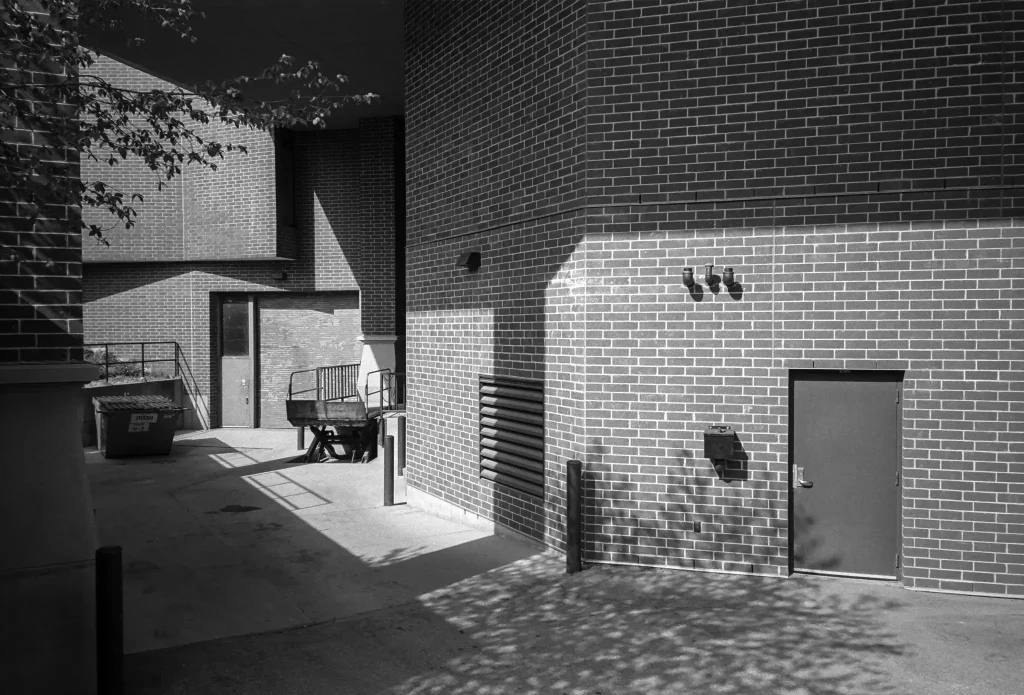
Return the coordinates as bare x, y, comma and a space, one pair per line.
897, 478
897, 394
897, 560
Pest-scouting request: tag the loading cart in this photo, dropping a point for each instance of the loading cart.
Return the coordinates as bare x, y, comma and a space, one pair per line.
334, 411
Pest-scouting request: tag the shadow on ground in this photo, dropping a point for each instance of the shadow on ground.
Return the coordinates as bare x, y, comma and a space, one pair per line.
226, 538
350, 597
615, 630
528, 628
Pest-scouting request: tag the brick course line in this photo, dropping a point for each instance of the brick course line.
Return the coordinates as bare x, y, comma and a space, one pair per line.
630, 207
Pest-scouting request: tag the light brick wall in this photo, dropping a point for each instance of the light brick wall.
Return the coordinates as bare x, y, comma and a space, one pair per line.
874, 223
301, 331
173, 301
517, 316
933, 299
200, 214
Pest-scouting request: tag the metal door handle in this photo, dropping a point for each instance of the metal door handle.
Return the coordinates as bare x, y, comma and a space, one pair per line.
798, 478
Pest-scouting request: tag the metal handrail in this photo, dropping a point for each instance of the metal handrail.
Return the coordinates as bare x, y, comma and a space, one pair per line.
393, 388
143, 361
333, 382
366, 387
338, 381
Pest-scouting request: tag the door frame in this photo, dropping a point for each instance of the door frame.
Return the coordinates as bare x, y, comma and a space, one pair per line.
216, 302
898, 377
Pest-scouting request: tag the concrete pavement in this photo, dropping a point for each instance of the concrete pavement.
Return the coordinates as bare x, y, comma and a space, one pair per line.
245, 573
227, 536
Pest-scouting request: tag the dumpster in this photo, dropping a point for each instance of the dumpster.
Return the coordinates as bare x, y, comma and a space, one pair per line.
135, 425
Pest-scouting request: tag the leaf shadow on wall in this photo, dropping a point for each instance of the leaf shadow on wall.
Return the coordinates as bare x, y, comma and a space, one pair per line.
42, 308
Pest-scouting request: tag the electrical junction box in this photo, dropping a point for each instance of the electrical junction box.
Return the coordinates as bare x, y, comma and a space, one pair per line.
718, 442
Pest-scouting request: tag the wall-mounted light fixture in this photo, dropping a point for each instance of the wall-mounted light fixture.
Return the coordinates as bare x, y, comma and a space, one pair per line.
688, 277
281, 276
470, 260
709, 277
728, 277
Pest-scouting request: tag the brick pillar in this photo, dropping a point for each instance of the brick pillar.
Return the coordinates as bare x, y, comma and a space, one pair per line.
377, 142
377, 138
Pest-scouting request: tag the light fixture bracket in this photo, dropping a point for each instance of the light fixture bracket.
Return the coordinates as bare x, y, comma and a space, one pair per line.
470, 260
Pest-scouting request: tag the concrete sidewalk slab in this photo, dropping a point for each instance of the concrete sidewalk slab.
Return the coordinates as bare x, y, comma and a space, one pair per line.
248, 573
529, 628
229, 535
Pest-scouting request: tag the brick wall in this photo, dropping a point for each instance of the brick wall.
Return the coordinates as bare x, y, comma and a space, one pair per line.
499, 137
173, 301
936, 300
377, 139
198, 215
517, 316
719, 100
41, 262
299, 331
860, 170
40, 289
499, 140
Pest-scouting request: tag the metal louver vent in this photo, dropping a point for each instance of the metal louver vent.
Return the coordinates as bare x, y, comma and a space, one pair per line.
512, 433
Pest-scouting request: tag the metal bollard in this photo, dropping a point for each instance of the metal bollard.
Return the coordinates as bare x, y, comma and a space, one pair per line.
109, 621
301, 437
401, 445
573, 517
389, 471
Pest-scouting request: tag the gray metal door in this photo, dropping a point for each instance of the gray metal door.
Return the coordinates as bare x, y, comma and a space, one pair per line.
845, 472
236, 372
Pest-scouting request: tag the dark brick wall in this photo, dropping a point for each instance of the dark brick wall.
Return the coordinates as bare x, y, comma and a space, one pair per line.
714, 99
500, 136
859, 168
377, 141
40, 261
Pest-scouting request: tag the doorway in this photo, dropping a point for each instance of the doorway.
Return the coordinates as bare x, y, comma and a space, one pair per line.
845, 434
264, 337
237, 373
